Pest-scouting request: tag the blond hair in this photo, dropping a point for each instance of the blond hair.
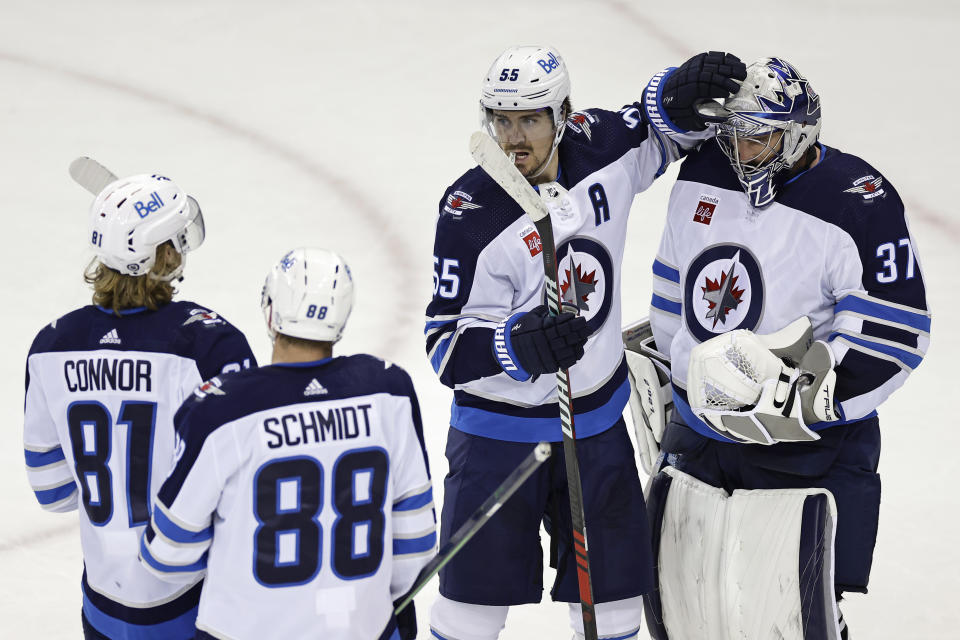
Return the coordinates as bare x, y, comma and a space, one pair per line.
116, 291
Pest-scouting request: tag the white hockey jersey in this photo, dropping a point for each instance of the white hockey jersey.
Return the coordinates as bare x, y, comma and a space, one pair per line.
303, 491
487, 266
834, 246
100, 398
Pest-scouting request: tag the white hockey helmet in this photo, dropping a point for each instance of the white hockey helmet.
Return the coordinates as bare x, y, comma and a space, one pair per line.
309, 295
526, 78
133, 216
776, 104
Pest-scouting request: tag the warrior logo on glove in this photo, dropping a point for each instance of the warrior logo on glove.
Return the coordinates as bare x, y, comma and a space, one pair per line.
723, 291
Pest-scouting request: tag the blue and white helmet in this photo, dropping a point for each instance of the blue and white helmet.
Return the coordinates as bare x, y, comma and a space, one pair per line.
308, 294
133, 216
526, 78
777, 106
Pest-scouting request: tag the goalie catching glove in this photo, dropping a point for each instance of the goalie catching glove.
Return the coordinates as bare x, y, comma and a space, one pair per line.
763, 389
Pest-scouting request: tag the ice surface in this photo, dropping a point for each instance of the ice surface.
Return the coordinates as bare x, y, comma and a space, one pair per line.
340, 124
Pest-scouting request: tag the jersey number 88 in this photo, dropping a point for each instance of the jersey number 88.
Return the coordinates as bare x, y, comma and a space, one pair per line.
287, 501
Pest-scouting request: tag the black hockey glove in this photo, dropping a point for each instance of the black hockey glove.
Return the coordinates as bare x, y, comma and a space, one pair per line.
702, 77
531, 343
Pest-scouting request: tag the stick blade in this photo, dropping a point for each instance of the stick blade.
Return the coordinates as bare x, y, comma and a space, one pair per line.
91, 175
498, 166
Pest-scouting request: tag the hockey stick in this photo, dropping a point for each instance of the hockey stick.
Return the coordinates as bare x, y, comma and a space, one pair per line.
479, 518
495, 162
91, 175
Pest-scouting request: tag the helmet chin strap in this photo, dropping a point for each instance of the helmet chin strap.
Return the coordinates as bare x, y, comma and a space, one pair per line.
553, 150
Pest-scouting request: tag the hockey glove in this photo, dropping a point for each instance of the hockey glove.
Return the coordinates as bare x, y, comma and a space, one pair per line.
703, 77
750, 388
530, 343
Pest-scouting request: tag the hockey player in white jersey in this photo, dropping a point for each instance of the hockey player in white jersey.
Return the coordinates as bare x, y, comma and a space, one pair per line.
103, 383
489, 337
789, 300
301, 488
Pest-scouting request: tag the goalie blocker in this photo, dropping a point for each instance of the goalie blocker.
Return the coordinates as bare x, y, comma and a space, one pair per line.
755, 564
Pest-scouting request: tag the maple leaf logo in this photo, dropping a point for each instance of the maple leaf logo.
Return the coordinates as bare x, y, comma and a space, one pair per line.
583, 285
723, 296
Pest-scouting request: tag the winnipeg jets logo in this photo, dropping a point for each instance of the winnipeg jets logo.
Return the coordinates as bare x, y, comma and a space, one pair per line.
868, 186
209, 388
723, 296
723, 290
458, 202
580, 121
577, 286
208, 318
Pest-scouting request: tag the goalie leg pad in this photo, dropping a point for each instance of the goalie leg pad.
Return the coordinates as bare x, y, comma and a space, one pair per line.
756, 564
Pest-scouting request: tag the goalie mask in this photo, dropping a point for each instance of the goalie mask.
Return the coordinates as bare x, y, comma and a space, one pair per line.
769, 125
527, 78
308, 295
133, 216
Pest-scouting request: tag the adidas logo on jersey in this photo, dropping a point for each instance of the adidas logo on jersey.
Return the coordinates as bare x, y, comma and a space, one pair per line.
315, 389
111, 337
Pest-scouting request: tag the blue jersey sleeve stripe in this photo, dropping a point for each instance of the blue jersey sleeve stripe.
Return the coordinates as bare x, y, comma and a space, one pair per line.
663, 304
403, 546
911, 360
415, 502
43, 458
56, 494
879, 310
665, 272
440, 352
175, 532
147, 557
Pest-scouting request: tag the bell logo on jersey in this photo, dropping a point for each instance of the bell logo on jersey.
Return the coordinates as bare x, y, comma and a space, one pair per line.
144, 209
723, 291
458, 202
705, 209
868, 186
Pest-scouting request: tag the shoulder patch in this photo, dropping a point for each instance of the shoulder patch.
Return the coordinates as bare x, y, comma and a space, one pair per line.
211, 387
580, 122
458, 202
206, 317
869, 186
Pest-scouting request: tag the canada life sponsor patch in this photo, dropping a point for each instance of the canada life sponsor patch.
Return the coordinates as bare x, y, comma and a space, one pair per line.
458, 202
869, 186
705, 208
532, 241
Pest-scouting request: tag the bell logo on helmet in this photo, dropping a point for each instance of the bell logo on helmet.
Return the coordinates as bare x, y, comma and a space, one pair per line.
144, 209
549, 64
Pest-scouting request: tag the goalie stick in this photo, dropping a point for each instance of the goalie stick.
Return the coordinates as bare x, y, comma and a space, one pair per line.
479, 518
91, 175
500, 167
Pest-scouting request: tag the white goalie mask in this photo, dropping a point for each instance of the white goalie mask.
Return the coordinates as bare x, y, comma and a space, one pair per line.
522, 79
778, 113
308, 295
133, 216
